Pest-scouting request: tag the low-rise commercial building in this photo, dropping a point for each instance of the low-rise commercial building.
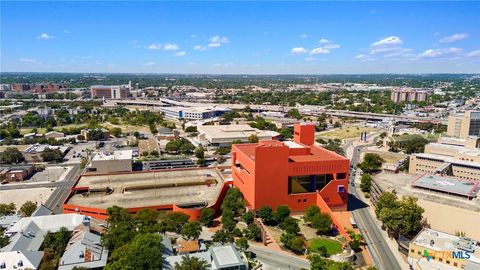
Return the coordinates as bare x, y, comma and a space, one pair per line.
432, 249
17, 173
222, 135
192, 113
111, 162
447, 159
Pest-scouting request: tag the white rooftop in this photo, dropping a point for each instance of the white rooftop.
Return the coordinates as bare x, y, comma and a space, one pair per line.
114, 155
292, 144
50, 223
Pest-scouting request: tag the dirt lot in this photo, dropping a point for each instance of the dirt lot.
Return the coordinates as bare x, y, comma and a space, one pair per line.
20, 196
344, 132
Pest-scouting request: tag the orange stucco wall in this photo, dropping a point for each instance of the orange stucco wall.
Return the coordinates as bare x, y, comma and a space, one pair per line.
261, 171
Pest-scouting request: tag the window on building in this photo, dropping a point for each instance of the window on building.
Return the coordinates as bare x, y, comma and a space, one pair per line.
300, 184
341, 175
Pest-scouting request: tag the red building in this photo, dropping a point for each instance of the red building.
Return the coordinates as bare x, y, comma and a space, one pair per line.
298, 174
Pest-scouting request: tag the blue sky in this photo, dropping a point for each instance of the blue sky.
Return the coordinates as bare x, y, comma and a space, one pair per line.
241, 37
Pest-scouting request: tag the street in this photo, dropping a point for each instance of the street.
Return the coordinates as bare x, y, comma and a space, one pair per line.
273, 259
55, 201
376, 244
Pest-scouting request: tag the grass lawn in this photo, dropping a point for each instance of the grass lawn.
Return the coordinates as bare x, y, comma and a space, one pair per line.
344, 132
24, 131
128, 128
389, 156
333, 246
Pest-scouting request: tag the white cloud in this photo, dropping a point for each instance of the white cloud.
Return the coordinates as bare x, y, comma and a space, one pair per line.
388, 41
217, 41
170, 47
45, 36
475, 53
155, 47
310, 59
331, 46
193, 36
440, 52
150, 64
319, 51
360, 56
182, 53
66, 31
304, 35
199, 48
324, 41
299, 50
455, 37
27, 60
214, 45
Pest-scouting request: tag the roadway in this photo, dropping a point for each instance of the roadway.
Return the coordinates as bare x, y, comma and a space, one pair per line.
273, 259
59, 195
376, 244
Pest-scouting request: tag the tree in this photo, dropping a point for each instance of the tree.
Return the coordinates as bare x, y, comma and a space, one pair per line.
11, 155
201, 162
146, 220
200, 153
310, 212
191, 230
121, 228
322, 223
294, 113
248, 217
281, 214
83, 162
253, 138
175, 221
192, 263
242, 244
234, 201
207, 216
319, 263
228, 220
191, 129
366, 183
57, 241
371, 163
265, 213
7, 209
95, 134
117, 132
141, 253
49, 155
28, 208
385, 200
404, 218
292, 242
4, 240
253, 232
154, 153
290, 225
222, 236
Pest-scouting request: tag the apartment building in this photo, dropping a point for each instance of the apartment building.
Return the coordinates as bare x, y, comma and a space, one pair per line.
408, 95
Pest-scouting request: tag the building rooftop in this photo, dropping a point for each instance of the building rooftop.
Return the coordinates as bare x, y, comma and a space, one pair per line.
49, 223
21, 259
226, 256
440, 241
447, 184
113, 155
449, 159
152, 188
234, 131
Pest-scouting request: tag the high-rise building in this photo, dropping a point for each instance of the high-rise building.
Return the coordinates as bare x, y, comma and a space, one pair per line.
110, 91
21, 87
464, 125
408, 95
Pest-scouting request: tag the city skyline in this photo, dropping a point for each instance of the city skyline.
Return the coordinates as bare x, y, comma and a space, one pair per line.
240, 38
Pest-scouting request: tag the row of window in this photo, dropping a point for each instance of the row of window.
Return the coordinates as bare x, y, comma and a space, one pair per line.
447, 261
